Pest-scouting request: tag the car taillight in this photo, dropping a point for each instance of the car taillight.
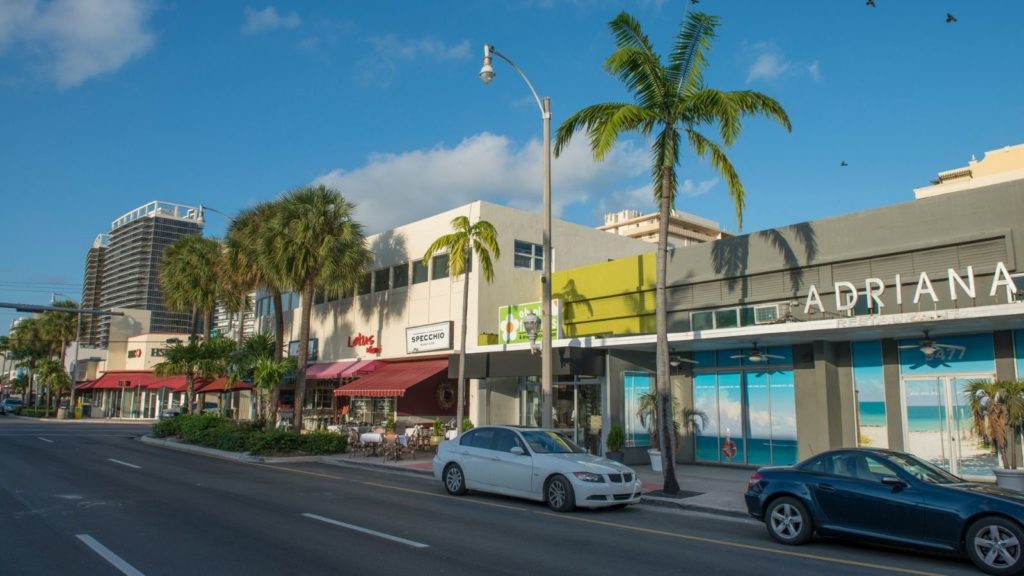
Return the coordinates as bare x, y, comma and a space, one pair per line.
755, 478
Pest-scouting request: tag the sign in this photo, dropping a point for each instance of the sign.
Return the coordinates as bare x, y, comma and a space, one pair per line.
429, 338
293, 349
510, 322
847, 293
361, 339
136, 353
158, 352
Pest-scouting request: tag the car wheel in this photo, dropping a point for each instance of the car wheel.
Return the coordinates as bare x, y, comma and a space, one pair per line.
996, 545
559, 494
454, 480
788, 521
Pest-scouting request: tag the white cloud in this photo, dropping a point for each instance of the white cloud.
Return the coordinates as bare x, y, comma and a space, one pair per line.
77, 39
814, 70
389, 50
257, 21
769, 62
394, 189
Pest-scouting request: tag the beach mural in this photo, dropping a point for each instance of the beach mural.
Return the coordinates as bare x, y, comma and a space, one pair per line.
749, 409
636, 384
867, 377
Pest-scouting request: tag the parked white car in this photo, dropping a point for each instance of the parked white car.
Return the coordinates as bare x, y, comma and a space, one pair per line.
536, 464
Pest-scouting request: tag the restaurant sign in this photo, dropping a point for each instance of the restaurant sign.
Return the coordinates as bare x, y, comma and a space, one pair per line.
510, 322
429, 338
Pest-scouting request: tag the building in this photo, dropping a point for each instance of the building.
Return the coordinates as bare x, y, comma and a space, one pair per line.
684, 229
131, 263
92, 288
863, 329
397, 331
227, 323
1003, 165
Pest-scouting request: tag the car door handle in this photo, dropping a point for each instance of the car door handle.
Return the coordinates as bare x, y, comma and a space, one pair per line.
826, 487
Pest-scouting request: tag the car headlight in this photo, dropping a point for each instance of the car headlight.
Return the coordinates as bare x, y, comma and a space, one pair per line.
588, 477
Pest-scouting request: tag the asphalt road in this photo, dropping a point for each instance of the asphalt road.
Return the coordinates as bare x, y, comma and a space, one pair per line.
80, 498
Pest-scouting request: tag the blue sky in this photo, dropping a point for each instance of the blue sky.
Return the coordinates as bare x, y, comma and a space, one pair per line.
108, 104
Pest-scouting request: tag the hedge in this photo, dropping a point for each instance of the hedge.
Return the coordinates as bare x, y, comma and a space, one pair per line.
215, 431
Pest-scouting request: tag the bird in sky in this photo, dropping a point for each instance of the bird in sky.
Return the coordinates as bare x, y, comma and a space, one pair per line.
694, 1
843, 163
871, 3
950, 18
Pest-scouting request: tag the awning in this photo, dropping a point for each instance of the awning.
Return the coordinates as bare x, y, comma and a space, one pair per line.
117, 379
361, 367
172, 383
391, 379
220, 385
329, 370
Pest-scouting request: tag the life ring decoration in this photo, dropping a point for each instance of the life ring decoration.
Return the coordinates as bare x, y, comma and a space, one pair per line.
729, 449
445, 395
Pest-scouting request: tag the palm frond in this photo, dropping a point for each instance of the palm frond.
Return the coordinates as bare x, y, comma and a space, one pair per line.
708, 149
688, 58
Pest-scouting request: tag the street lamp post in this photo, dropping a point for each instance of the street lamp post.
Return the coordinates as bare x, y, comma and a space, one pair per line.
487, 75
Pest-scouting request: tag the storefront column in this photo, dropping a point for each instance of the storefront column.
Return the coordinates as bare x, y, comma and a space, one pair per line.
893, 392
819, 419
1006, 368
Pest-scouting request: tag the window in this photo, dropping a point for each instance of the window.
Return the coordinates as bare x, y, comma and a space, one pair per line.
380, 279
528, 255
702, 321
506, 440
364, 284
419, 271
734, 317
320, 297
439, 267
400, 275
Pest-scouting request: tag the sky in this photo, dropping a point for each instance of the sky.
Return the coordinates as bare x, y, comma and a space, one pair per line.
106, 105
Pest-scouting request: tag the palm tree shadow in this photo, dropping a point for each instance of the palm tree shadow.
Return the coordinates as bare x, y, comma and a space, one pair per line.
730, 257
391, 303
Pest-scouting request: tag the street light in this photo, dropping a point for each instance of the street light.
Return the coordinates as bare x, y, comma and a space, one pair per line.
487, 75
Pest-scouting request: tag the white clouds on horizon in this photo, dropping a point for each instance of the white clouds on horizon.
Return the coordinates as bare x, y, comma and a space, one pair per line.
389, 50
75, 40
268, 19
394, 189
770, 63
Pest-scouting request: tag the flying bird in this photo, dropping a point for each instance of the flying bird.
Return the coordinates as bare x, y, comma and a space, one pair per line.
694, 1
843, 163
950, 18
871, 3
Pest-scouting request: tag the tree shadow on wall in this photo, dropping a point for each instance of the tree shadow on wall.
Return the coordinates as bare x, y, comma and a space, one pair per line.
390, 303
730, 257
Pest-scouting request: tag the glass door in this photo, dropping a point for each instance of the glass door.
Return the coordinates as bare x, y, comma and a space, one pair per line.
937, 425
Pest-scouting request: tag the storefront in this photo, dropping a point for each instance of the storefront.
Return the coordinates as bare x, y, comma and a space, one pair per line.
411, 391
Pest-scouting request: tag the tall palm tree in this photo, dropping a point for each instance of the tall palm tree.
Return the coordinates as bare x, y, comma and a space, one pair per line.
313, 243
671, 101
188, 277
246, 237
206, 359
243, 364
460, 244
53, 378
29, 345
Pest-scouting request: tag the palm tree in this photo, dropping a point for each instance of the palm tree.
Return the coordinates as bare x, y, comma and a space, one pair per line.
313, 243
267, 373
671, 100
29, 344
53, 378
188, 277
243, 365
460, 244
206, 359
246, 236
997, 414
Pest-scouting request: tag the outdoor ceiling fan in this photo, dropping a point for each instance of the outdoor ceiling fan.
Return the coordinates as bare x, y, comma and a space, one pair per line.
756, 355
930, 347
675, 360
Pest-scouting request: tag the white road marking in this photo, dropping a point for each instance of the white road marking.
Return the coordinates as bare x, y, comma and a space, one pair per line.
124, 463
367, 531
109, 556
45, 439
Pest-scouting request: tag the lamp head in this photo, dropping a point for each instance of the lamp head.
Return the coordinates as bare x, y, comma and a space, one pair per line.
487, 72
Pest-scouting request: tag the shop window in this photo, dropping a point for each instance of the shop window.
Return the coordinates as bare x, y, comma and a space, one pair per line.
381, 279
400, 275
365, 284
726, 318
702, 321
419, 271
439, 267
528, 255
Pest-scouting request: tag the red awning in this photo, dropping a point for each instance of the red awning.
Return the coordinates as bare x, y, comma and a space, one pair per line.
116, 379
361, 367
328, 370
220, 385
391, 379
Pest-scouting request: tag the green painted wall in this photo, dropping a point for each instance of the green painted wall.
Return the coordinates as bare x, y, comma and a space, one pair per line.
609, 298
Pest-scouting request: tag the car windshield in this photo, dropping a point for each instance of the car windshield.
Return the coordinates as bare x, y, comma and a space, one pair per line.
548, 442
922, 470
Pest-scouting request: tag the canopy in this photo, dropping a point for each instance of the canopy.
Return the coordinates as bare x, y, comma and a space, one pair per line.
117, 379
391, 379
328, 370
220, 385
361, 367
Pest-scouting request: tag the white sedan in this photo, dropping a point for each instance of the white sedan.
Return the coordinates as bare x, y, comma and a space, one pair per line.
536, 464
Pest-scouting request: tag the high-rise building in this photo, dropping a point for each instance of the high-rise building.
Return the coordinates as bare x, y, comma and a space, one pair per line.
92, 289
131, 271
684, 228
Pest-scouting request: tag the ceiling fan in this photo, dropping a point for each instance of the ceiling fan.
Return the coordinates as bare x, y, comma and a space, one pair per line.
930, 347
675, 360
756, 355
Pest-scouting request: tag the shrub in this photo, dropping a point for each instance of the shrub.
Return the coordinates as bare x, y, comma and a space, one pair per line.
616, 438
324, 443
275, 442
165, 428
192, 426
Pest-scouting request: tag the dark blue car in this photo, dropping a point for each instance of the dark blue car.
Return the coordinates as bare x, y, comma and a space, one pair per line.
893, 498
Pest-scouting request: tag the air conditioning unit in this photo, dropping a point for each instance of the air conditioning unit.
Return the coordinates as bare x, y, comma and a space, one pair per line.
768, 314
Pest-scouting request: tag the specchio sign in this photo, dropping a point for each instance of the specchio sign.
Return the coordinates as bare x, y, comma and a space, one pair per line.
429, 338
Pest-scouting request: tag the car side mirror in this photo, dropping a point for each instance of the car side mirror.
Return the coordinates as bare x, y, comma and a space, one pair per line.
518, 451
893, 481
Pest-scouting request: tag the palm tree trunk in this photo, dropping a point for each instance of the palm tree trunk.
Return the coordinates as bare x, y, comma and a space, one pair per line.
190, 391
461, 395
300, 371
665, 419
275, 393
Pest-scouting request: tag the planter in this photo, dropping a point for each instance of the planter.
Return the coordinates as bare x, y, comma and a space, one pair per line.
1012, 479
435, 440
616, 455
655, 460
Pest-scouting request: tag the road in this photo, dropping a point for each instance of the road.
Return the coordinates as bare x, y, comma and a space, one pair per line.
79, 498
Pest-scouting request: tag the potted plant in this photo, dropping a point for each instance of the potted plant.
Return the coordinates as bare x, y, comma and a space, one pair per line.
997, 417
647, 411
616, 438
467, 424
436, 432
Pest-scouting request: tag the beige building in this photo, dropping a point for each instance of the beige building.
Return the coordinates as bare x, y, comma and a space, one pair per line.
997, 166
684, 229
